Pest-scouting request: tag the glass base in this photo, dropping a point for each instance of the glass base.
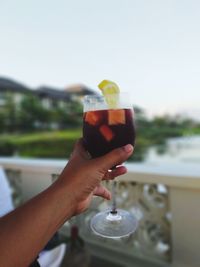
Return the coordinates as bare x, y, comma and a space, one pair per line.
114, 225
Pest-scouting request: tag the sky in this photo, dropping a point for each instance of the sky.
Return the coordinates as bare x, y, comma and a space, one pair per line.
150, 48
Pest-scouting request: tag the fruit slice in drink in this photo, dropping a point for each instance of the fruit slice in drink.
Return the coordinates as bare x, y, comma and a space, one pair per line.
93, 118
106, 132
116, 116
113, 129
110, 91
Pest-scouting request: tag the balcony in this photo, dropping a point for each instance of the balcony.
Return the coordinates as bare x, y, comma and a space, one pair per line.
164, 197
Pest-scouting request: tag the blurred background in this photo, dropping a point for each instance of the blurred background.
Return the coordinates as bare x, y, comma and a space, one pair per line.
52, 53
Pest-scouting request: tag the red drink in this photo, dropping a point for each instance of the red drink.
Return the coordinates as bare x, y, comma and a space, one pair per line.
104, 130
108, 124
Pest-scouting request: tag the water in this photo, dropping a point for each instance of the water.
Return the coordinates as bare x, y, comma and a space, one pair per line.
179, 149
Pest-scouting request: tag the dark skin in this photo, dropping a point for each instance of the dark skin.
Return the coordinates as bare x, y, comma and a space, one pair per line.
26, 230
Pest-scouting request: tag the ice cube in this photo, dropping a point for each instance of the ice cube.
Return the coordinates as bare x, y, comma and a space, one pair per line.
116, 116
93, 117
106, 132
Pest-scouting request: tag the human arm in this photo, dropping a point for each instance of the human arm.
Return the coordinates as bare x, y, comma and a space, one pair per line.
26, 230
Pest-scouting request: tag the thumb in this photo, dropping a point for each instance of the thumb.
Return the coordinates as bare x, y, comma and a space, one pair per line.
115, 157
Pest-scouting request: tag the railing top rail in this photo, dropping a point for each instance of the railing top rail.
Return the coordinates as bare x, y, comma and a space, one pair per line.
172, 174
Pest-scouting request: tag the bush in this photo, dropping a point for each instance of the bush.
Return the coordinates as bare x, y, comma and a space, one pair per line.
7, 148
57, 144
44, 145
52, 148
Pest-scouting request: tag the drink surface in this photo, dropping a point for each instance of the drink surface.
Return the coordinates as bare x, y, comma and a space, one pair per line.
104, 130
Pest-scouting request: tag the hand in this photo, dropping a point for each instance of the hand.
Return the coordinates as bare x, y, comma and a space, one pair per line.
83, 175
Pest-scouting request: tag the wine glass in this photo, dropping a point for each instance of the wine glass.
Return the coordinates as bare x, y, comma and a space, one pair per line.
108, 124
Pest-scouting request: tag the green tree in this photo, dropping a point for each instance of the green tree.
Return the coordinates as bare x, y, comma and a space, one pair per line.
69, 115
32, 115
10, 113
2, 122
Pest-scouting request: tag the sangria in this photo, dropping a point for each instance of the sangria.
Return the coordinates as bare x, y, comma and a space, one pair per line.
105, 128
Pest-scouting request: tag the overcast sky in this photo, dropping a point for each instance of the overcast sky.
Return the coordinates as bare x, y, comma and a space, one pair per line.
149, 47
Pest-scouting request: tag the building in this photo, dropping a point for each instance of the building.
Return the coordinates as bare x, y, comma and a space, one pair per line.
50, 97
78, 91
8, 86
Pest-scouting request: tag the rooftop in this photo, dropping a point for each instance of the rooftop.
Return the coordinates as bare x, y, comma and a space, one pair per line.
12, 85
79, 89
46, 91
7, 84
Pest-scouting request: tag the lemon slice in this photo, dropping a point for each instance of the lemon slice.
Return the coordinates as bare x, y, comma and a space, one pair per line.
110, 91
108, 87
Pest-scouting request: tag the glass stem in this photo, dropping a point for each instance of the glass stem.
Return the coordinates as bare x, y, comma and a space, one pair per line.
114, 204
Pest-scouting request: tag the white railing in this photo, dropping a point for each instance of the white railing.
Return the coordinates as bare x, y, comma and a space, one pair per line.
165, 198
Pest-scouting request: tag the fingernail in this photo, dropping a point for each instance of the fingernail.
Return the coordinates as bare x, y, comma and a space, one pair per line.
128, 148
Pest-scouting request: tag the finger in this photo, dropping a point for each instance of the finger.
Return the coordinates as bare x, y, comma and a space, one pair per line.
115, 157
80, 150
110, 175
101, 191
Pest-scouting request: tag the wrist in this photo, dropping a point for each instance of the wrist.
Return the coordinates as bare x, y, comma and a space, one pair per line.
64, 198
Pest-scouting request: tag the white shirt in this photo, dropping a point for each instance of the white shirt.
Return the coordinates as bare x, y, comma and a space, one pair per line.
6, 203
